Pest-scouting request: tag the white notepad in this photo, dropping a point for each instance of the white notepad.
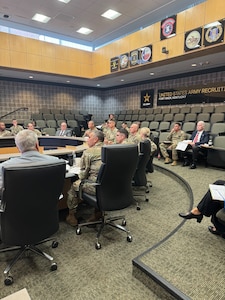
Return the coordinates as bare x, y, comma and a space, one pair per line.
217, 192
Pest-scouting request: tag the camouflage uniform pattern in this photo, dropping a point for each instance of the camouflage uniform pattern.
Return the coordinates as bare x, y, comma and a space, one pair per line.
90, 164
89, 131
15, 129
134, 138
110, 135
175, 138
38, 133
5, 133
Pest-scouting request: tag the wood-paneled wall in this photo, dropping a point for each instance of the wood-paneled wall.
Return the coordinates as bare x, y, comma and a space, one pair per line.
29, 54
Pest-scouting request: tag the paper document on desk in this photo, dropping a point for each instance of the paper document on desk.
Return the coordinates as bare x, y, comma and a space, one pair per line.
74, 170
217, 192
182, 145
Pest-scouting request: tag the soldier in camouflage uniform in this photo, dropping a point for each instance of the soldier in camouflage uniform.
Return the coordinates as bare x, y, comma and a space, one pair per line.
110, 133
89, 167
30, 126
121, 136
91, 128
134, 136
175, 136
15, 128
3, 131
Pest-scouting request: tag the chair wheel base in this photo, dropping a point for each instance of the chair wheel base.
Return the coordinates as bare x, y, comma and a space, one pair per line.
55, 244
78, 231
8, 280
98, 246
129, 238
53, 267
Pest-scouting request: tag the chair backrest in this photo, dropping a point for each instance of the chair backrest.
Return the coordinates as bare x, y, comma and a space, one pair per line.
157, 110
179, 117
185, 110
217, 128
114, 190
143, 159
154, 125
175, 110
190, 117
219, 141
168, 117
217, 118
49, 131
51, 123
208, 109
203, 117
59, 116
40, 123
158, 117
165, 110
164, 126
31, 206
196, 109
188, 127
220, 109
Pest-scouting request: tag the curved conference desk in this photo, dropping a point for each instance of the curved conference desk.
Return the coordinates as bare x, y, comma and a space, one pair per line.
51, 145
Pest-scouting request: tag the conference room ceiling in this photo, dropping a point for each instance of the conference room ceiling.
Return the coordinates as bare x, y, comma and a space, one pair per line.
66, 19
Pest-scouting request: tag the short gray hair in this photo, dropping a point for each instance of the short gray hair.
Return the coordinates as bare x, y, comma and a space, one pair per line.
99, 134
26, 140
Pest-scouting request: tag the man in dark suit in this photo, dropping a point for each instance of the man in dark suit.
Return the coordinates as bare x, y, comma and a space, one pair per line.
198, 138
63, 131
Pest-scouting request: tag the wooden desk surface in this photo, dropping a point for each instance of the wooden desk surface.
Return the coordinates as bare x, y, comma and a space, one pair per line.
54, 152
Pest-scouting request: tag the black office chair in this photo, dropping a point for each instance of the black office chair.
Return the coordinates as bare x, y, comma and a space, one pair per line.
139, 180
29, 208
113, 187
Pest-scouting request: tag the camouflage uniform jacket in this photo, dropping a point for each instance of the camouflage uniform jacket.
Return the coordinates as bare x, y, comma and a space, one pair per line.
134, 138
5, 133
90, 164
16, 129
110, 135
176, 136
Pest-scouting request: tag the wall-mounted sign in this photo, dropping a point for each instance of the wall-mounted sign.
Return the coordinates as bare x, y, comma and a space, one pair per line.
114, 64
134, 58
193, 39
124, 60
168, 27
213, 34
196, 94
145, 54
147, 97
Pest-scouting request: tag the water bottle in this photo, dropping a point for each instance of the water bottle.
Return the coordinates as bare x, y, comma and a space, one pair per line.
210, 143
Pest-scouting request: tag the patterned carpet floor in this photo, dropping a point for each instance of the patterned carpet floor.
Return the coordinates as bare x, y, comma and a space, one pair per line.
191, 259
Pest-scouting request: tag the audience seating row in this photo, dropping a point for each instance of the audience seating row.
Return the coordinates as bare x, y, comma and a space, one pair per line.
179, 117
174, 110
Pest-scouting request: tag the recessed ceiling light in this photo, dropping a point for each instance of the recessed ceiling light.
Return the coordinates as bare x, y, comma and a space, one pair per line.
31, 76
98, 84
194, 65
41, 18
111, 14
151, 73
122, 80
68, 81
84, 30
64, 1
